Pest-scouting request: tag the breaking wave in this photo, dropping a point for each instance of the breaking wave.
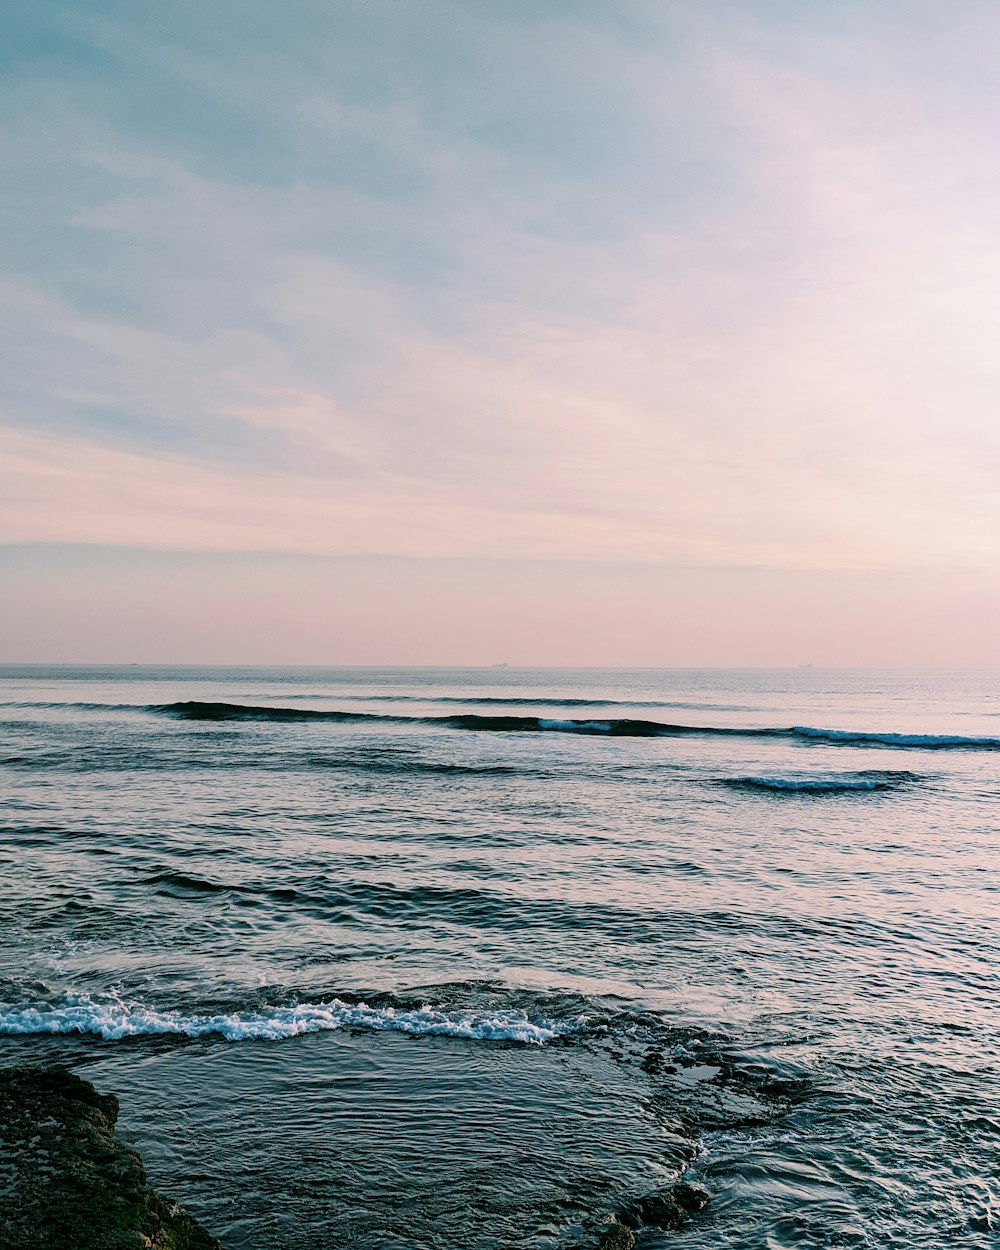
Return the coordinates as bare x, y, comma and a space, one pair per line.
199, 711
115, 1019
856, 737
194, 710
854, 783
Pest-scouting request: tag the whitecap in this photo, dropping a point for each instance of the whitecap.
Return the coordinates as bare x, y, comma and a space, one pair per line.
114, 1019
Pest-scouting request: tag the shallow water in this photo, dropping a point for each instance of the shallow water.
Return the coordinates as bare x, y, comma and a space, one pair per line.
415, 971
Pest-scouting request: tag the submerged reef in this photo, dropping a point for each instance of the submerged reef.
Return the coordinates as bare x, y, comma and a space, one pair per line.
66, 1181
667, 1209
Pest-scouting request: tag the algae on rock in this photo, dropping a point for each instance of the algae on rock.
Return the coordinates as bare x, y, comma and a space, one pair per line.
67, 1182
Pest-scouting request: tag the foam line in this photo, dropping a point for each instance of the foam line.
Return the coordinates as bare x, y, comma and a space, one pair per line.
114, 1019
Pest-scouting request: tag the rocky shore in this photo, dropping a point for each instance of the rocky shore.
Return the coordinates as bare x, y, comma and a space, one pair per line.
68, 1183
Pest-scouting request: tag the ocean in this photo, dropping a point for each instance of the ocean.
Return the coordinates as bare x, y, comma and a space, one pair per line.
484, 957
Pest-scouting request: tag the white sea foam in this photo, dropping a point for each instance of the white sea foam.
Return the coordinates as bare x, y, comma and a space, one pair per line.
113, 1019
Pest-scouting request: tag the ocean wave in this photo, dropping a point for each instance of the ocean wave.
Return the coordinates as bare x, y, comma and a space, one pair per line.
55, 705
199, 710
115, 1019
857, 737
383, 762
855, 783
475, 722
576, 726
404, 762
553, 701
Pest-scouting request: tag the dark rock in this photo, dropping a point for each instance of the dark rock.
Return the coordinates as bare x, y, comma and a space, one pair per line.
653, 1062
667, 1209
618, 1237
66, 1181
690, 1197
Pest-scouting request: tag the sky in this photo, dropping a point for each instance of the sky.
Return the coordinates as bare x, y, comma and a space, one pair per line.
546, 331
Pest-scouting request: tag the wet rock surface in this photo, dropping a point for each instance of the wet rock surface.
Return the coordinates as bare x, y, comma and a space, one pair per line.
618, 1237
66, 1181
669, 1209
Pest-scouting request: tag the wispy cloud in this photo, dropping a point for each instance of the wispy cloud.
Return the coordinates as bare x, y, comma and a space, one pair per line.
620, 282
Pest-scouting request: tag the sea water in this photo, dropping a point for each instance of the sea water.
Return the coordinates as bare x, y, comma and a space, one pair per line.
414, 957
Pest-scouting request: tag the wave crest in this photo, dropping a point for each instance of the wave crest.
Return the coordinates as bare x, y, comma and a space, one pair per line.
476, 722
853, 783
115, 1019
859, 737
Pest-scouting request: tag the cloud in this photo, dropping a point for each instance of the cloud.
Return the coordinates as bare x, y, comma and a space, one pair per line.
620, 282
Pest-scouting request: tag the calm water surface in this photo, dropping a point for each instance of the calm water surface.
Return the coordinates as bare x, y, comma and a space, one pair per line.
476, 957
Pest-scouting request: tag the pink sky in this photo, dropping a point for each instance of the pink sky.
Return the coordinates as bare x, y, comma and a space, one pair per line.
641, 334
